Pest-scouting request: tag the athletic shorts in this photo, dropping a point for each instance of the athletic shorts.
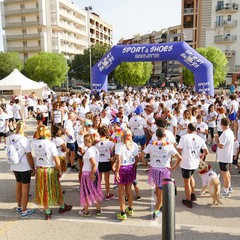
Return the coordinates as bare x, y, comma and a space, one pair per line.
11, 119
30, 108
187, 173
23, 177
104, 166
233, 116
71, 146
2, 134
224, 167
141, 140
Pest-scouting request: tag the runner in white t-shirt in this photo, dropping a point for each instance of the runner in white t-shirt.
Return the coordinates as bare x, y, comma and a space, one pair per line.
189, 147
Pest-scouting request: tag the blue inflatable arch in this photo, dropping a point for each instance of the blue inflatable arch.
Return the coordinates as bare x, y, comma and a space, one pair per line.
181, 51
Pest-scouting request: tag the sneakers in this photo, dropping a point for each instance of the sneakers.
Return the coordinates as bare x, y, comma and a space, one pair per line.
74, 169
122, 216
225, 194
18, 209
139, 198
99, 212
129, 212
126, 199
65, 209
187, 203
68, 165
48, 216
109, 197
193, 197
27, 213
157, 213
5, 147
230, 189
84, 214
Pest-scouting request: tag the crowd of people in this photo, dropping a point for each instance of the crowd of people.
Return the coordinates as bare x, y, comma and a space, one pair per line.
161, 128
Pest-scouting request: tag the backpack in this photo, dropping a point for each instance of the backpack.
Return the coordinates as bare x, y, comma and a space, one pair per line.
12, 154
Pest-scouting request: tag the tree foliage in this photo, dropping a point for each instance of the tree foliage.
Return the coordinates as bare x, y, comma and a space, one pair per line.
80, 66
219, 61
9, 61
133, 73
50, 68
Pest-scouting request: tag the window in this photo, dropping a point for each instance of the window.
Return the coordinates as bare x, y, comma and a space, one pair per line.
219, 20
39, 43
25, 43
37, 5
24, 31
220, 5
39, 30
37, 18
22, 6
25, 55
23, 19
229, 17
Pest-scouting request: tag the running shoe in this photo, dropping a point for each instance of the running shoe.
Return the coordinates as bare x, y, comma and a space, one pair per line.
48, 216
109, 197
65, 209
122, 217
99, 212
157, 213
27, 213
129, 212
193, 197
18, 209
187, 203
84, 214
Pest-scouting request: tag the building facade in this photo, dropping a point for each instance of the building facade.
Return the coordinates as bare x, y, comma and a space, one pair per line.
58, 26
214, 23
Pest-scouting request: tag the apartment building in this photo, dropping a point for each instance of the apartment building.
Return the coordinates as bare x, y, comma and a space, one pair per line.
58, 26
170, 70
214, 23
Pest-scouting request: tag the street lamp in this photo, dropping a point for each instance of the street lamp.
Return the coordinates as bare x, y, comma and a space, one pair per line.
88, 9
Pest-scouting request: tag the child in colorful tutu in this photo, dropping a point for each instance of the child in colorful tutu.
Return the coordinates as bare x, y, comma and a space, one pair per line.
48, 172
160, 156
126, 154
91, 191
105, 148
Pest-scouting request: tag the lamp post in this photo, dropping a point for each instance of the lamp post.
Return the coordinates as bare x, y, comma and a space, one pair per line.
88, 9
182, 38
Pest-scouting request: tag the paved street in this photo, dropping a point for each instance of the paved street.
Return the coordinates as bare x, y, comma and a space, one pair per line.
203, 221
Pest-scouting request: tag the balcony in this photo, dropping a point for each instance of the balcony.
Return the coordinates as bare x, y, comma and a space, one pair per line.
23, 37
188, 11
24, 49
226, 24
22, 24
229, 53
225, 39
227, 8
21, 11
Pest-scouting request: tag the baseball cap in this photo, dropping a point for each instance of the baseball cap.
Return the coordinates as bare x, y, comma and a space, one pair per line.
138, 110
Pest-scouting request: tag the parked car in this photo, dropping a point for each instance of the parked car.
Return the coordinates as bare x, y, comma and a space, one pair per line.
112, 86
80, 89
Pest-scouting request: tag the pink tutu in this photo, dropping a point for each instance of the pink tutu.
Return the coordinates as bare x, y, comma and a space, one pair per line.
127, 175
91, 191
156, 175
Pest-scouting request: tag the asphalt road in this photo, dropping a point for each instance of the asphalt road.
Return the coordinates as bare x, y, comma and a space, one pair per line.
201, 222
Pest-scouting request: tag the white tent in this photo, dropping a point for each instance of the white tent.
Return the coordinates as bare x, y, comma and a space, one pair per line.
20, 84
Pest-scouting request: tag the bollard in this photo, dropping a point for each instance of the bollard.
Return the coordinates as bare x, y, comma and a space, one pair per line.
168, 215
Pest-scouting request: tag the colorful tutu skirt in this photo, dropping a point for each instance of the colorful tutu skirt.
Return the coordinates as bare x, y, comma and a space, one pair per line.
63, 163
156, 175
48, 188
91, 191
127, 174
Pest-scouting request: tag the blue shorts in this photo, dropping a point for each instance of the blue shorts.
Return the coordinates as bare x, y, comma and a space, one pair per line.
71, 146
141, 140
233, 116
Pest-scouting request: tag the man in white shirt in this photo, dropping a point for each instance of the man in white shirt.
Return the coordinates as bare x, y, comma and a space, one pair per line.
225, 145
189, 148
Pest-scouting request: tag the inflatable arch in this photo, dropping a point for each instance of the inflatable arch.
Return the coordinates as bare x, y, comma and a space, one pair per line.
180, 51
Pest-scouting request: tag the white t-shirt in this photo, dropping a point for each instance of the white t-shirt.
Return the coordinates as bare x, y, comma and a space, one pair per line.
69, 126
105, 149
173, 123
91, 152
105, 121
23, 146
9, 110
127, 157
203, 127
219, 118
57, 116
44, 151
191, 144
225, 154
160, 155
184, 123
210, 116
58, 142
3, 119
16, 110
137, 125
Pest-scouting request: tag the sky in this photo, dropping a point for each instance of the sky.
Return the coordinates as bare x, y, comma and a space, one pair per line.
130, 17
